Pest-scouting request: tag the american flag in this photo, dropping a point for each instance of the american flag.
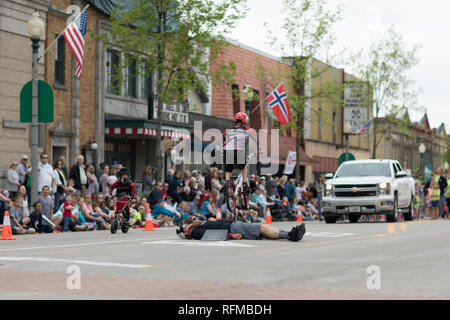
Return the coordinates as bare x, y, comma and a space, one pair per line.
278, 101
363, 130
75, 38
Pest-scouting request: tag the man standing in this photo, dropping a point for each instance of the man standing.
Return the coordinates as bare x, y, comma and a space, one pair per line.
442, 181
78, 174
46, 175
22, 169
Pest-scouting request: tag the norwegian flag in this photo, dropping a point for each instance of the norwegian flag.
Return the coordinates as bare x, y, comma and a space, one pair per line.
363, 130
278, 102
75, 38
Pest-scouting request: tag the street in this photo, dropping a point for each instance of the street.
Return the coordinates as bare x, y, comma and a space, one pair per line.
331, 262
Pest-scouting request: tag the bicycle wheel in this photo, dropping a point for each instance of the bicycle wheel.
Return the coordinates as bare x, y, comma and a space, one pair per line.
229, 196
245, 200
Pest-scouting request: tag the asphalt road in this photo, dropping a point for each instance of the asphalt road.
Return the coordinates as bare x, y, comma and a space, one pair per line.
371, 260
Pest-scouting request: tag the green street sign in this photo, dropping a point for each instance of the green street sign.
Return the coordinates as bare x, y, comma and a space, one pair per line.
45, 102
351, 157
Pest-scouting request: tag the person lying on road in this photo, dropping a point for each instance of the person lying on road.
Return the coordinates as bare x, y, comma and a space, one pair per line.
194, 228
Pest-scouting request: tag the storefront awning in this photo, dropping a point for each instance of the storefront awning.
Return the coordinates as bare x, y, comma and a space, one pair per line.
142, 127
147, 132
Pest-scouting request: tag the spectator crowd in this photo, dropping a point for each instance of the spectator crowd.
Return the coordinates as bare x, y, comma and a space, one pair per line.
79, 198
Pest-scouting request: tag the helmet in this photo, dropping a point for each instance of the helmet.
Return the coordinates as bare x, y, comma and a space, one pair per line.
123, 171
241, 116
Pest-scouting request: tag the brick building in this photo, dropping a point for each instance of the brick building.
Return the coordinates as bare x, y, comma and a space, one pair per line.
16, 68
323, 120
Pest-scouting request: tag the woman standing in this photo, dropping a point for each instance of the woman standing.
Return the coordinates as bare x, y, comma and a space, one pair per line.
60, 184
319, 187
12, 180
149, 181
93, 186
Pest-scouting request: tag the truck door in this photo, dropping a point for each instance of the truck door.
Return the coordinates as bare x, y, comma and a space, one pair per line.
403, 188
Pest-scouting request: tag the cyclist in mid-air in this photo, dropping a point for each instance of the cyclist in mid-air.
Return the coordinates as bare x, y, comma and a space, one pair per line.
236, 145
125, 192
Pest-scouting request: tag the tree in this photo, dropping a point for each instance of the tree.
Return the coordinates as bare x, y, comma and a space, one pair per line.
177, 40
385, 66
305, 35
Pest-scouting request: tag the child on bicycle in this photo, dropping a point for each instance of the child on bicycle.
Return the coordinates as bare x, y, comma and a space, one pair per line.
125, 193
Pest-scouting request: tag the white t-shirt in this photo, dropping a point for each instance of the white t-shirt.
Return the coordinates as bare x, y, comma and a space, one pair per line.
45, 176
299, 191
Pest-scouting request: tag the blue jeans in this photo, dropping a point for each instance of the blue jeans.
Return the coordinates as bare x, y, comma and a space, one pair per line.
58, 201
67, 224
441, 207
319, 205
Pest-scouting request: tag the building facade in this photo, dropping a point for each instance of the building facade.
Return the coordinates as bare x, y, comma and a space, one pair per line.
16, 70
403, 146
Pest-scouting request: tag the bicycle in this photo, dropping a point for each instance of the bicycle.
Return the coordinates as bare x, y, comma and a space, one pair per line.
119, 220
234, 190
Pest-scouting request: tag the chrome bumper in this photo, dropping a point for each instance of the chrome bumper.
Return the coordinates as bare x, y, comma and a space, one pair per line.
367, 205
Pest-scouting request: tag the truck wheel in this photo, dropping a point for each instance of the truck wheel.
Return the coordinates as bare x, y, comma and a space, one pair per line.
393, 217
330, 219
410, 214
354, 218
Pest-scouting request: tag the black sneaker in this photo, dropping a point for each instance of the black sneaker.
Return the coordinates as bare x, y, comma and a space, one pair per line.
297, 232
302, 230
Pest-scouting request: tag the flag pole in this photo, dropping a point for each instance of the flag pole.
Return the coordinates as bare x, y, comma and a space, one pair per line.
259, 104
59, 36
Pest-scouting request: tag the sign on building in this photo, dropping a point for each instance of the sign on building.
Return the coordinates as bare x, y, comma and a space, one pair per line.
356, 106
176, 112
290, 163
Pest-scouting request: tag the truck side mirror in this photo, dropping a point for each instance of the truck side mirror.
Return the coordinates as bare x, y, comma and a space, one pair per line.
401, 174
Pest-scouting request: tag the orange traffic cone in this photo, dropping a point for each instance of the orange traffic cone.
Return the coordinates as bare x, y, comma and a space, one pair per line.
218, 214
149, 221
6, 230
299, 215
268, 217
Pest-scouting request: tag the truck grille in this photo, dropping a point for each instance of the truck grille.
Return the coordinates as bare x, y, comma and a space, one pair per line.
349, 186
350, 194
352, 191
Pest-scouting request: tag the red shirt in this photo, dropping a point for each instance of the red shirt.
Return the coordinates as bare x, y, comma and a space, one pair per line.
67, 212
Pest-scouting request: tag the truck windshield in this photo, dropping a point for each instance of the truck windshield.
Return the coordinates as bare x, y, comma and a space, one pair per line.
364, 170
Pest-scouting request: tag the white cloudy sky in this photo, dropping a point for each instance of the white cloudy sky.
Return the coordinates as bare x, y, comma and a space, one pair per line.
423, 22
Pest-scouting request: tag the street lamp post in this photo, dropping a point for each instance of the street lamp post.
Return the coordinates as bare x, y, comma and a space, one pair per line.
422, 150
35, 28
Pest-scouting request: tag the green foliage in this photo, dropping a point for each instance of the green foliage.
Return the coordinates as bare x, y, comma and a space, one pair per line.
179, 39
385, 66
305, 34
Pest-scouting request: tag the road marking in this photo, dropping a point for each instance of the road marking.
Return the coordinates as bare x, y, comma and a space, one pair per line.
403, 227
391, 229
74, 245
201, 243
92, 263
329, 234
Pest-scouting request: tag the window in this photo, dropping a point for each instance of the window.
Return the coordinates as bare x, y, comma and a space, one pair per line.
235, 98
319, 122
147, 86
113, 64
131, 79
334, 123
59, 60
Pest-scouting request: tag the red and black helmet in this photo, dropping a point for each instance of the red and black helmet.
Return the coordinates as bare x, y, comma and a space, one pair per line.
241, 116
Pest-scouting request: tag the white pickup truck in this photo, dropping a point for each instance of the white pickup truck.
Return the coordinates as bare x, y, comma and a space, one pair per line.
369, 187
